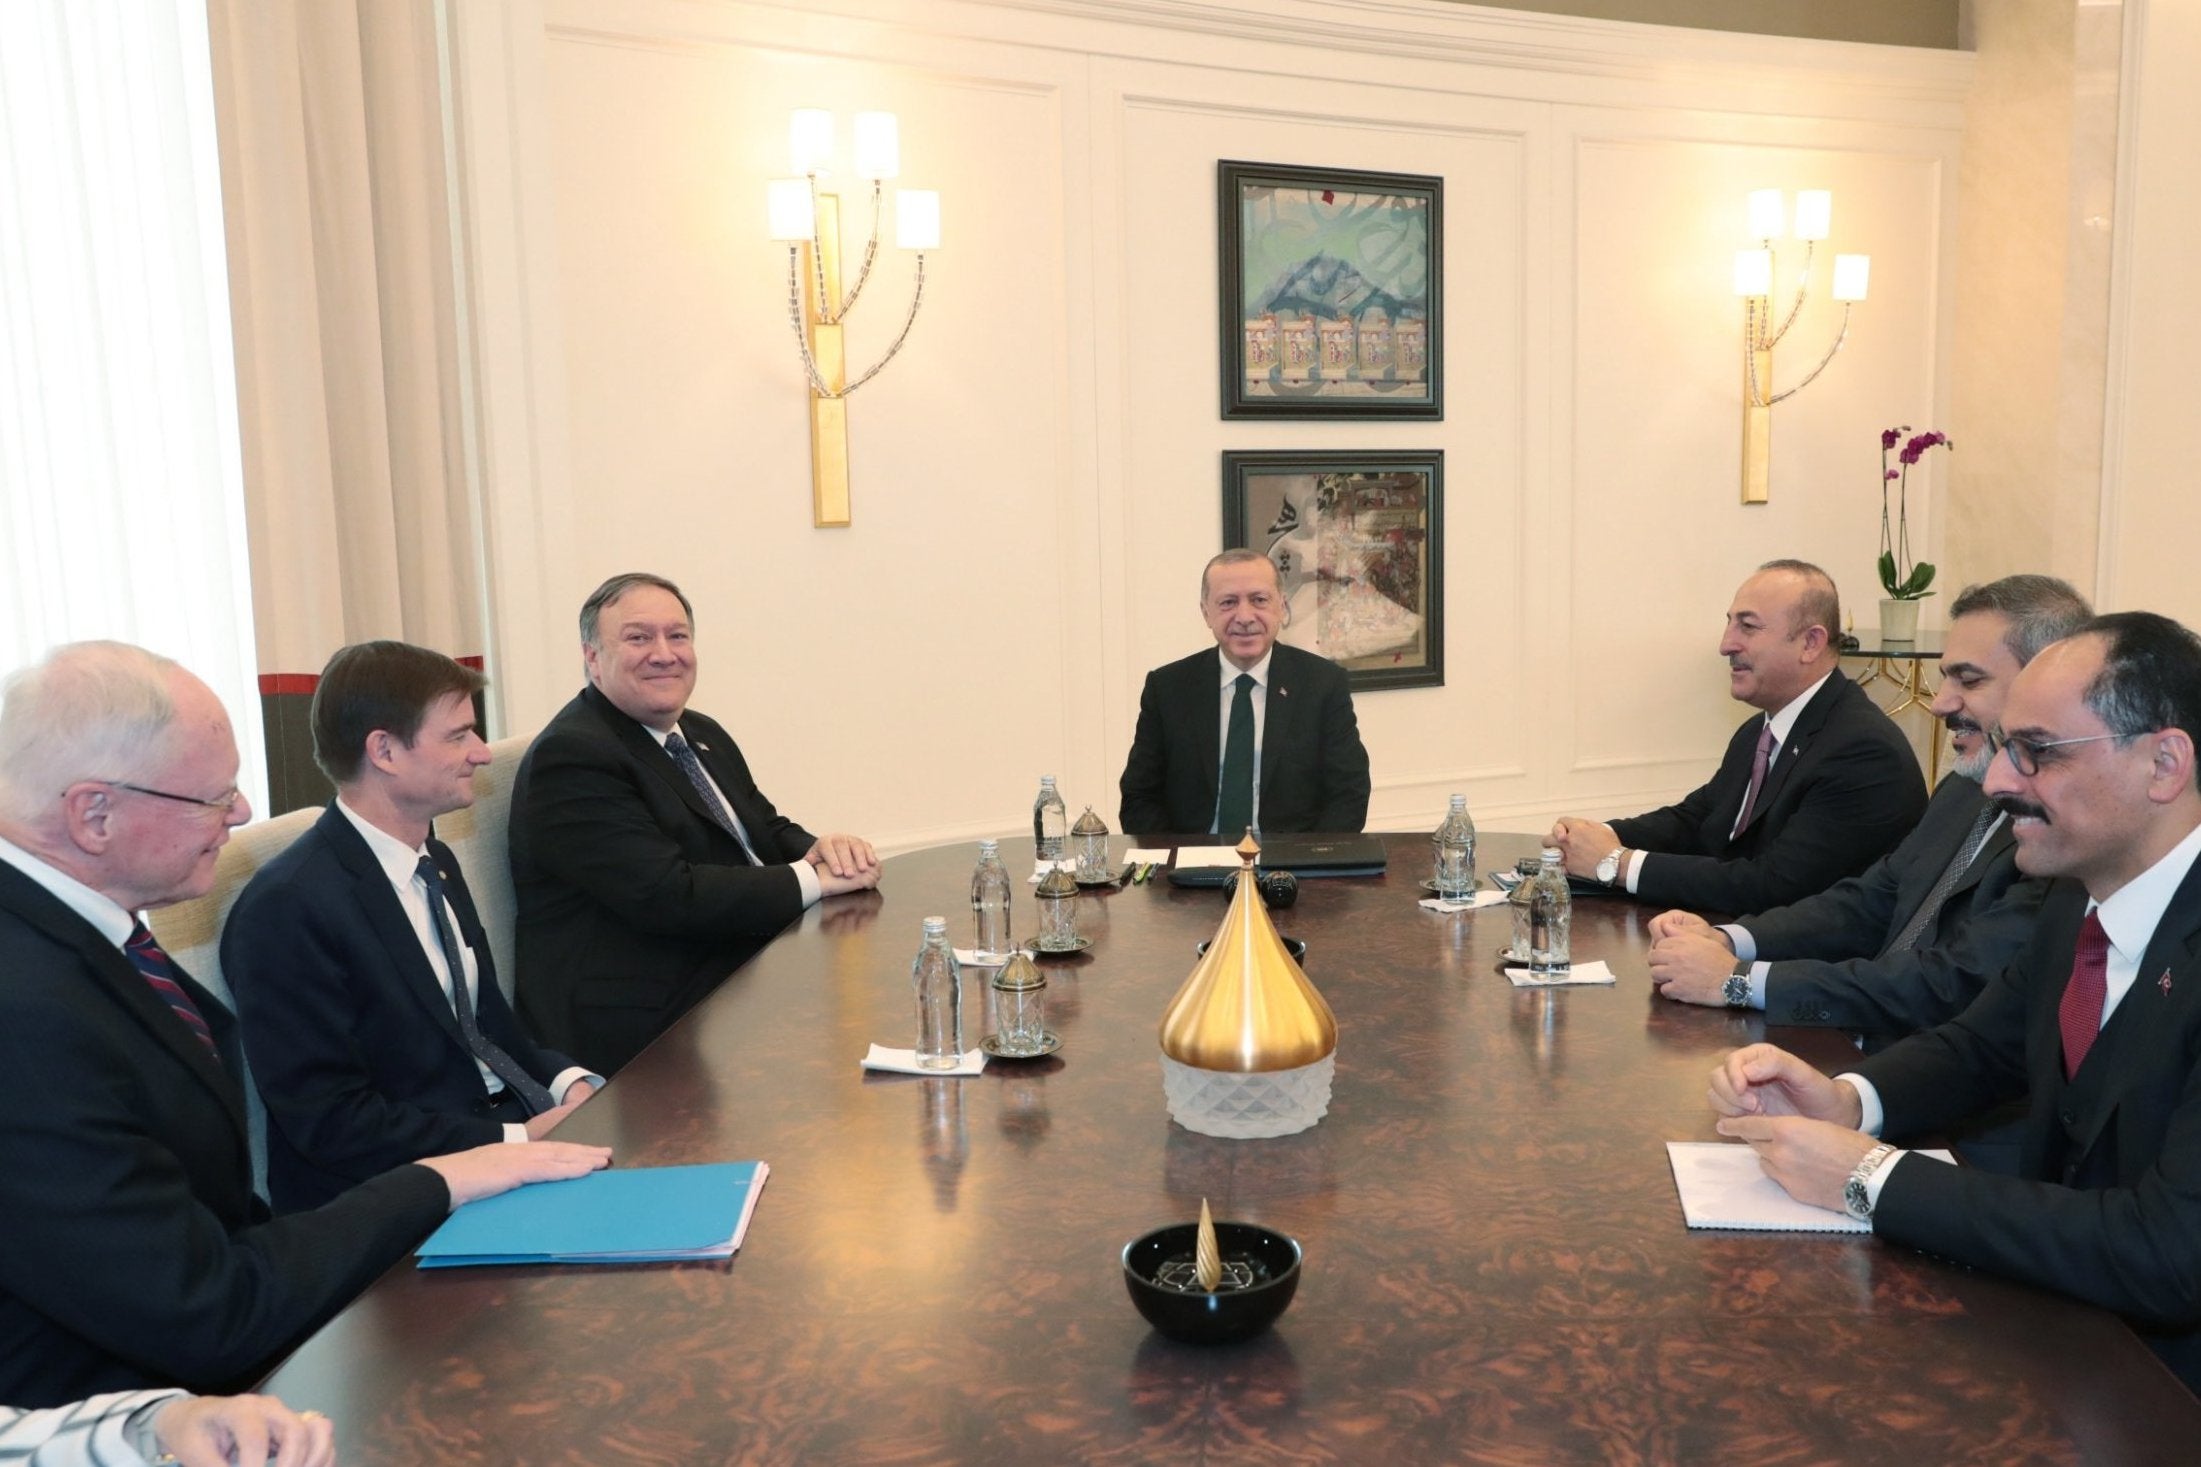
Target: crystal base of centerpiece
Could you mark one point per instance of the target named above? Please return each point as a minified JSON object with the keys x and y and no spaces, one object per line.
{"x":1245,"y":1105}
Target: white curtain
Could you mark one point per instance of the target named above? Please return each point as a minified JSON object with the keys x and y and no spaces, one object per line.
{"x":121,"y":498}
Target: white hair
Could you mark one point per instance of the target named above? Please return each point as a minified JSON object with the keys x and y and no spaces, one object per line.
{"x":90,"y":710}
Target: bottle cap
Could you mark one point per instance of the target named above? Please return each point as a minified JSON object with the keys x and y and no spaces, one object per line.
{"x":936,"y":927}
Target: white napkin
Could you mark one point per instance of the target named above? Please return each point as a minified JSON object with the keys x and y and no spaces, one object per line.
{"x":1579,"y":973}
{"x":1142,"y":856}
{"x":1474,"y":902}
{"x":904,"y":1062}
{"x":968,"y":957}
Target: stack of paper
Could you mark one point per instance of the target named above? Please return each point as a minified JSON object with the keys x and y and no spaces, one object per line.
{"x":622,"y":1215}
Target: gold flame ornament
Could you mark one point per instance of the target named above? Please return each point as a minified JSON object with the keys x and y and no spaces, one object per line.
{"x":1248,"y":1007}
{"x":1207,"y":1256}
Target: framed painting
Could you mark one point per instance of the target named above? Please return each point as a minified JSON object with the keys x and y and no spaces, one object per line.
{"x":1358,"y":541}
{"x":1331,"y":290}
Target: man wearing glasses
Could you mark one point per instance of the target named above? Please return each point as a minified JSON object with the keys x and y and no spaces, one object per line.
{"x":136,"y":1253}
{"x":1909,"y":942}
{"x":2098,"y":1020}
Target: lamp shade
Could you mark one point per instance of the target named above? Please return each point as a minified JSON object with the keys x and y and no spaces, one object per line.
{"x":1814,"y":213}
{"x":1766,"y":214}
{"x":917,"y":218}
{"x":1851,"y":272}
{"x":878,"y":145}
{"x":787,"y":204}
{"x":1753,"y":272}
{"x":809,"y":140}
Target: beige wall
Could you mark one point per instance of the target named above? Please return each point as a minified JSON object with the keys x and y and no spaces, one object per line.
{"x":2152,"y":518}
{"x":1036,"y":478}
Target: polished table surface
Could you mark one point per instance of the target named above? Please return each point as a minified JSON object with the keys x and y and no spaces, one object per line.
{"x":1496,"y":1265}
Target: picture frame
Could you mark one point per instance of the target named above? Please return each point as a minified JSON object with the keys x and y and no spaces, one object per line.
{"x":1331,"y":292}
{"x":1358,"y":541}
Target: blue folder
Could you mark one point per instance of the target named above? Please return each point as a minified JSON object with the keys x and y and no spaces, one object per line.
{"x":619,"y":1215}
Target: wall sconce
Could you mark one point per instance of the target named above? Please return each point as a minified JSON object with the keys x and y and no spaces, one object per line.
{"x":807,"y":219}
{"x":1754,"y":283}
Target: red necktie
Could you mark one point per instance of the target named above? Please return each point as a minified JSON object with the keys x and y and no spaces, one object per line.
{"x":2080,"y":1013}
{"x":154,"y":966}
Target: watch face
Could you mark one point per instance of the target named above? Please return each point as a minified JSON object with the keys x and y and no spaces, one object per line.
{"x":1855,"y":1199}
{"x":1737,"y":991}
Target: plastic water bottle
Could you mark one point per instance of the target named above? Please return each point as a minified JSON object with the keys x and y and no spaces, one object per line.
{"x":1050,"y":821}
{"x":939,"y":984}
{"x":1453,"y":851}
{"x":1550,"y":919}
{"x":990,"y":904}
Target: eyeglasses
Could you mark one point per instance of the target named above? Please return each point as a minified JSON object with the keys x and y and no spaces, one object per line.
{"x":222,"y":802}
{"x":2025,"y":754}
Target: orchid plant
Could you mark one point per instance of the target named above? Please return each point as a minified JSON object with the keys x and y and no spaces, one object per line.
{"x":1900,"y":576}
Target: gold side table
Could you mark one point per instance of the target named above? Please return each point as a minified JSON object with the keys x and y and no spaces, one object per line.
{"x":1902,"y":666}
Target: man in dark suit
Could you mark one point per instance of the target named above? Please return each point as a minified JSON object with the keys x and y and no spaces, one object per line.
{"x":2098,"y":1022}
{"x":364,"y":981}
{"x":1255,"y":733}
{"x":1910,"y":942}
{"x":1818,"y":788}
{"x":136,"y":1253}
{"x":647,"y":863}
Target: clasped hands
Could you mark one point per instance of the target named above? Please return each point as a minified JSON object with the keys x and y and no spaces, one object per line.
{"x":845,"y":863}
{"x":1802,"y":1124}
{"x":1691,"y":960}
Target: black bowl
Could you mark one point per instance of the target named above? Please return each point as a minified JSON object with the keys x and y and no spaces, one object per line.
{"x":1292,"y":945}
{"x":1213,"y":1319}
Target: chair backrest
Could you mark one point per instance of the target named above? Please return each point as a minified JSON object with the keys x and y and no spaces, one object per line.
{"x":191,"y":932}
{"x":476,"y":836}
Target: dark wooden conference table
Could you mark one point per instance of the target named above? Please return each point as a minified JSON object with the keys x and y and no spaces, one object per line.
{"x":1496,"y":1265}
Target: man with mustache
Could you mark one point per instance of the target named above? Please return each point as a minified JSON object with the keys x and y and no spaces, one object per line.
{"x":1908,"y":943}
{"x":1816,"y":789}
{"x":1252,"y":734}
{"x":2097,"y":1022}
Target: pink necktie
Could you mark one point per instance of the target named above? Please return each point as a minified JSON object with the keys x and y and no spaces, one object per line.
{"x":1757,"y":776}
{"x":2080,"y":1013}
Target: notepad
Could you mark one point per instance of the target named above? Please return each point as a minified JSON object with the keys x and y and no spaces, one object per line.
{"x":1723,"y":1186}
{"x":621,"y":1215}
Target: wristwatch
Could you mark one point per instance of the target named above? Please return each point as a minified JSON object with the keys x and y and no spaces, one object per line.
{"x":1736,"y":990}
{"x":1608,"y":869}
{"x":1856,"y":1197}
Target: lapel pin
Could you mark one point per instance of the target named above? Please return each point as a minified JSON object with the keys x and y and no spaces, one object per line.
{"x":2164,"y":983}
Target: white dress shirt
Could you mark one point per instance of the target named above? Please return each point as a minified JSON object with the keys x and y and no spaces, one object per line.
{"x":401,"y":864}
{"x":2129,"y":919}
{"x":806,"y":875}
{"x":1260,"y":697}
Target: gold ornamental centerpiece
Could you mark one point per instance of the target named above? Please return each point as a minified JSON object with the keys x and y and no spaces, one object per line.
{"x":1248,"y":1045}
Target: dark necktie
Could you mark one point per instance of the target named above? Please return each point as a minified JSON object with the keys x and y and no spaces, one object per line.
{"x":2080,"y":1013}
{"x":1758,"y":767}
{"x":692,"y":767}
{"x":154,"y":965}
{"x":1234,"y":799}
{"x":522,"y":1085}
{"x":1958,"y":864}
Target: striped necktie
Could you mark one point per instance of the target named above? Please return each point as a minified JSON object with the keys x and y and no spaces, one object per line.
{"x":156,"y":968}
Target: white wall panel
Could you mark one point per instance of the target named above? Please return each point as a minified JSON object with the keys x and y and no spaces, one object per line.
{"x":1036,"y":479}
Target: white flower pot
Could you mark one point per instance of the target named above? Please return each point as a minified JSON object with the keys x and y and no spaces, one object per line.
{"x":1898,"y":620}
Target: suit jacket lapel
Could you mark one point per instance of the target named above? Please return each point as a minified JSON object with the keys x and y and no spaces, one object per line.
{"x":650,"y":754}
{"x":1276,"y":718}
{"x":1207,"y":737}
{"x":115,"y":976}
{"x":378,"y":903}
{"x":1807,"y":726}
{"x":2145,"y":1017}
